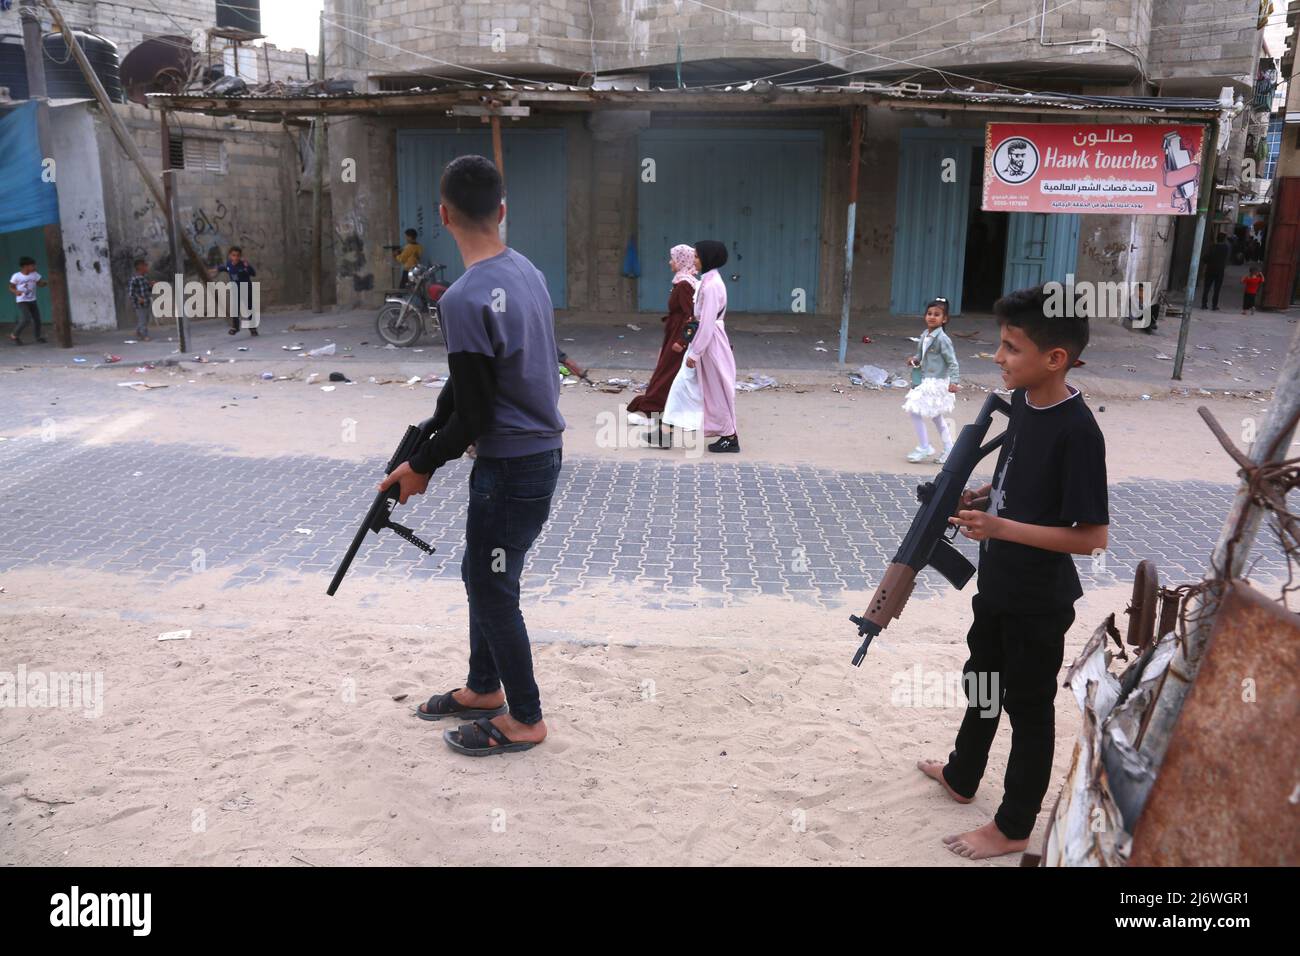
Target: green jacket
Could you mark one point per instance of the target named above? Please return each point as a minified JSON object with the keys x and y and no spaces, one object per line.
{"x":940,"y":359}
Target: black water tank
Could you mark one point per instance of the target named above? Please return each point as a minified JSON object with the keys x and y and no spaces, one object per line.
{"x":240,"y":14}
{"x":13,"y":65}
{"x":63,"y":77}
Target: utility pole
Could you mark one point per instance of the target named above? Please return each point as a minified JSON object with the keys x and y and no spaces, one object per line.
{"x":855,"y":159}
{"x":56,"y":261}
{"x":1204,"y":200}
{"x":318,"y":147}
{"x":173,"y":230}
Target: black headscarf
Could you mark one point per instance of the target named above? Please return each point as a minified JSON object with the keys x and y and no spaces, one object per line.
{"x":713,"y":254}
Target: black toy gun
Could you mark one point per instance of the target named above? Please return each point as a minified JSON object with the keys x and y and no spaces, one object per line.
{"x":379,"y":516}
{"x":928,"y":540}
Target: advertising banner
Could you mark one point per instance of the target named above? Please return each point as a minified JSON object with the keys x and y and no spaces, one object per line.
{"x":1127,"y":168}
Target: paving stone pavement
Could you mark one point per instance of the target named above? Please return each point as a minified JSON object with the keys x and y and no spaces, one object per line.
{"x":696,"y":533}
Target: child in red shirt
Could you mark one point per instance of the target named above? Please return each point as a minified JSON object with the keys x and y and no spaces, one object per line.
{"x":1251,"y":283}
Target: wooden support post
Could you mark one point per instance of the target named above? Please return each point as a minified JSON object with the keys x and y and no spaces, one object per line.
{"x":56,"y":261}
{"x":850,"y":230}
{"x":173,"y":233}
{"x":120,"y":131}
{"x":498,"y":157}
{"x":317,"y":186}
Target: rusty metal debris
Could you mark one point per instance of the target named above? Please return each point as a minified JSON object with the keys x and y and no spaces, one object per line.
{"x":1226,"y":790}
{"x":1268,"y":485}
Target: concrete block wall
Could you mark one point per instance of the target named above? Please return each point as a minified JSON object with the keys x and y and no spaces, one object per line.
{"x":614,"y":220}
{"x":127,"y":23}
{"x":364,"y":212}
{"x":1006,"y":32}
{"x":257,"y":204}
{"x":638,"y":34}
{"x":1204,"y":44}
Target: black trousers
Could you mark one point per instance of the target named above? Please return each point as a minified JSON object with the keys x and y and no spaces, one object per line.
{"x":1013,"y":666}
{"x":1213,"y":280}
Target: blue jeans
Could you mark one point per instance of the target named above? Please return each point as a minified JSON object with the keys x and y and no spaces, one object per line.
{"x":509,"y":502}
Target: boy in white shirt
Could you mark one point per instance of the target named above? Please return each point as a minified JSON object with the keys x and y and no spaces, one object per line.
{"x":23,"y":284}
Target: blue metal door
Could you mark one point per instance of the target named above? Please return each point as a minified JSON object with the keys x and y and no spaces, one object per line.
{"x":1041,"y":247}
{"x":931,"y":217}
{"x":536,"y":195}
{"x":758,"y":191}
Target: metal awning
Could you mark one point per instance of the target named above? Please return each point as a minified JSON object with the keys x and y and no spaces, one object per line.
{"x":282,"y":100}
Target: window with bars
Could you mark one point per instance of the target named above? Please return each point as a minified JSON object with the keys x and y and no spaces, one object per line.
{"x":1274,"y":146}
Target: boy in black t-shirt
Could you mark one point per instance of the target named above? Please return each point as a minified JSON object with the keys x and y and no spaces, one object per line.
{"x":1047,"y":501}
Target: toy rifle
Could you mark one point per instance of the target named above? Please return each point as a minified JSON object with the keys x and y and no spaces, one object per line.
{"x":379,"y":516}
{"x":927,"y":543}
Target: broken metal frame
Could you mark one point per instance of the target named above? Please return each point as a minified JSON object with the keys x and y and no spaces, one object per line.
{"x":1228,"y":560}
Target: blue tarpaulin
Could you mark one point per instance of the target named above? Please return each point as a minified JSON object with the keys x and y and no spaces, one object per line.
{"x":28,"y":201}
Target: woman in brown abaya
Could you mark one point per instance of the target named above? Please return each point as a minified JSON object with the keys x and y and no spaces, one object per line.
{"x":681,"y":306}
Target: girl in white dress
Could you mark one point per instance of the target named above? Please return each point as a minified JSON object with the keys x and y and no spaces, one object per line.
{"x":934,"y":375}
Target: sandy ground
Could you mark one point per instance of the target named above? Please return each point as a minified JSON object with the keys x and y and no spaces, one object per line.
{"x":273,"y":736}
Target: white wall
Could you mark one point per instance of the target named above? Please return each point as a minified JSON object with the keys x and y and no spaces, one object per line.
{"x":81,"y":214}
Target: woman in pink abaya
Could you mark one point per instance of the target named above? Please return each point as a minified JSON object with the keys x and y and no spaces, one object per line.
{"x":710,"y":350}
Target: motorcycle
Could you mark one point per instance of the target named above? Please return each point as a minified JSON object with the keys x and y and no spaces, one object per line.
{"x":409,"y":314}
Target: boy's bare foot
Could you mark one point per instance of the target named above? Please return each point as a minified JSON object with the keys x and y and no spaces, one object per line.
{"x":934,"y":769}
{"x":983,"y":843}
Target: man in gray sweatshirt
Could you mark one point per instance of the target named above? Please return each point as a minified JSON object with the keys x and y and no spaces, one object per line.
{"x":503,"y":399}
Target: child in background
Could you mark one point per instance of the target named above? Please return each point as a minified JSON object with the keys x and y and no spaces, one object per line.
{"x":23,"y":284}
{"x":934,"y":376}
{"x":1048,"y":501}
{"x":137,"y":291}
{"x":241,"y":272}
{"x":1251,"y":284}
{"x":409,"y":256}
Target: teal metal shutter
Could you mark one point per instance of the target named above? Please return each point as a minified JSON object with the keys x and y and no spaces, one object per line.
{"x":931,"y":216}
{"x":1041,"y":247}
{"x":536,"y":195}
{"x":757,"y":191}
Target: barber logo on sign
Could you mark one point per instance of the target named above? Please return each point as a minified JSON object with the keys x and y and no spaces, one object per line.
{"x":1015,"y":160}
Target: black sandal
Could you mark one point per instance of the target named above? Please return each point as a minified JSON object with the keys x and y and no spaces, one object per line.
{"x":445,"y":705}
{"x":472,"y":740}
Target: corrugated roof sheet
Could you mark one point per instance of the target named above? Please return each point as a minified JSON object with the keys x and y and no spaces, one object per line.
{"x":751,"y":89}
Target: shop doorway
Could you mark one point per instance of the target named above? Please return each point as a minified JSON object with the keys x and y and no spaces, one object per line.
{"x":986,"y":245}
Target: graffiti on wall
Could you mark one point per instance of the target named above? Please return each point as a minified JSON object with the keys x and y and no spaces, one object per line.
{"x":350,"y":252}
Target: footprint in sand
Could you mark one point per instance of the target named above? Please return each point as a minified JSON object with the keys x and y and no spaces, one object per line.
{"x":129,"y":812}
